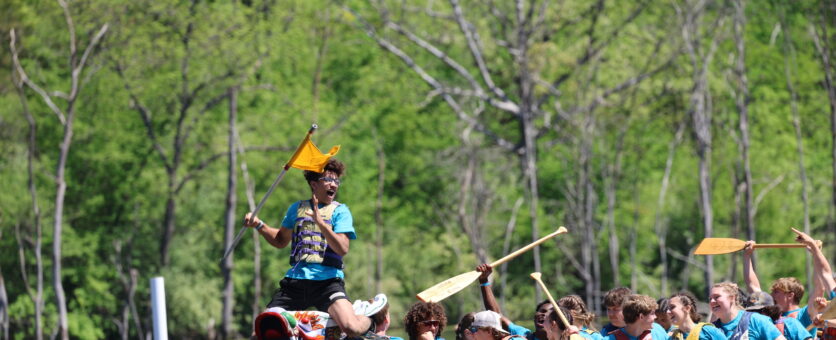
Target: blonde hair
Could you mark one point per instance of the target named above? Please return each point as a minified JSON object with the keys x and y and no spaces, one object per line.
{"x":577,"y":308}
{"x":636,"y":305}
{"x":732,"y":290}
{"x":789,"y":285}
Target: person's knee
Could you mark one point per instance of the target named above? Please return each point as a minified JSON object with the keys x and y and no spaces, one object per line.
{"x":356,"y":326}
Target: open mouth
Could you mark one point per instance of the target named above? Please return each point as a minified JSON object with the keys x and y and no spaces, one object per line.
{"x":331,"y":193}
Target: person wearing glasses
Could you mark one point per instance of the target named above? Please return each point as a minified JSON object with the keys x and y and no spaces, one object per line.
{"x":318,"y":231}
{"x":425,"y":321}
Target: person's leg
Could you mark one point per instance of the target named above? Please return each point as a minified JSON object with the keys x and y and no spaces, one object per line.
{"x":331,"y":297}
{"x":342,"y":313}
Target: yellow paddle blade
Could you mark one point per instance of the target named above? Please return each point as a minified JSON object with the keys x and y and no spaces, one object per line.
{"x":715,"y":246}
{"x":448,"y":287}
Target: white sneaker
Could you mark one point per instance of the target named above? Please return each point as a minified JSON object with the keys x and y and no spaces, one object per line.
{"x":371,"y":307}
{"x":360,"y":306}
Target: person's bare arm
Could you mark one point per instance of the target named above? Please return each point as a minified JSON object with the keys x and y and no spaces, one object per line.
{"x":821,"y":266}
{"x":488,"y":298}
{"x":749,"y":275}
{"x":277,"y":237}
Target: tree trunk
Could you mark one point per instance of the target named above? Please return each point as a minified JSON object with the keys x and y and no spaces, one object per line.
{"x":789,"y":63}
{"x":660,"y":226}
{"x":227,"y":330}
{"x":4,"y":308}
{"x":37,"y":299}
{"x":378,"y":217}
{"x":742,"y":103}
{"x":250,"y":192}
{"x":60,"y":180}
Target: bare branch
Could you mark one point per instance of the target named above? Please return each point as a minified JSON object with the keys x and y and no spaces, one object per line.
{"x":145,"y":114}
{"x":78,"y":68}
{"x":762,"y":193}
{"x":385,"y":44}
{"x":25,"y":79}
{"x":473,"y":44}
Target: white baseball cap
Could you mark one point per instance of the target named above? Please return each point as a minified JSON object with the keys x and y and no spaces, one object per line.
{"x":490,"y":319}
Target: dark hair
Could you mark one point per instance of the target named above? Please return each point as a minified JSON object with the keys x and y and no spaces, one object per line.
{"x":615,"y":297}
{"x":541,"y":304}
{"x":554,"y":317}
{"x":464,"y":324}
{"x":423,"y":311}
{"x":333,"y":165}
{"x":773,"y":312}
{"x":688,"y":299}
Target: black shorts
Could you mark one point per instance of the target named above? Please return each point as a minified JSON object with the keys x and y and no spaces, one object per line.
{"x":297,"y":294}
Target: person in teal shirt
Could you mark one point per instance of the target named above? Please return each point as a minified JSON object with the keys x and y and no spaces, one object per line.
{"x":787,"y":292}
{"x":319,"y":231}
{"x":791,"y":328}
{"x":682,"y":310}
{"x":639,"y":315}
{"x":736,"y":323}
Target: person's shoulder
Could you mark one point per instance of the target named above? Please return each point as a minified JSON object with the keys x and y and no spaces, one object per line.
{"x":760,"y":318}
{"x":709,"y":331}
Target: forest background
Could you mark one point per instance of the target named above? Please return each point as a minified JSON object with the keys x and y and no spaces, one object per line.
{"x":136,"y":134}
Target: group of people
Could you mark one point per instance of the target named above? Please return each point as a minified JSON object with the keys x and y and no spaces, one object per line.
{"x":319,"y":231}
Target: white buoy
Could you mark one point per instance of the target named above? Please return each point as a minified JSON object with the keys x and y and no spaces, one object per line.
{"x":158,"y":308}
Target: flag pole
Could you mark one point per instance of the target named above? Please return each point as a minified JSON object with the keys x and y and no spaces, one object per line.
{"x":270,"y":191}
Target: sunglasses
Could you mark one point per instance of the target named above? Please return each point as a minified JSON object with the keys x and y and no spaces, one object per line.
{"x":430,"y":323}
{"x":330,"y":179}
{"x":473,"y":330}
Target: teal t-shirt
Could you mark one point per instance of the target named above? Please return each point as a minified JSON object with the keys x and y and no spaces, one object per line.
{"x":518,"y":330}
{"x":708,"y":332}
{"x":794,"y":330}
{"x":590,"y":334}
{"x":760,"y":327}
{"x":656,"y":333}
{"x":803,"y":316}
{"x":342,"y":222}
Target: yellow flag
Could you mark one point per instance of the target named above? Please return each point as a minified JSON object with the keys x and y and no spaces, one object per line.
{"x":308,"y":156}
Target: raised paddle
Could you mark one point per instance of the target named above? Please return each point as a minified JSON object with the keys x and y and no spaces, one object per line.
{"x":537,"y":277}
{"x":716,"y":246}
{"x":454,"y":284}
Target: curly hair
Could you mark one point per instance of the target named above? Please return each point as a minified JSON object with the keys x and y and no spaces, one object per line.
{"x":577,"y":308}
{"x":688,"y":300}
{"x":333,"y":165}
{"x":615,"y":297}
{"x":637,"y":305}
{"x":789,"y":285}
{"x":423,"y":311}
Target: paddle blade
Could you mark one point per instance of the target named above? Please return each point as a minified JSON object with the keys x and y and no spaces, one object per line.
{"x":715,"y":246}
{"x":448,"y":287}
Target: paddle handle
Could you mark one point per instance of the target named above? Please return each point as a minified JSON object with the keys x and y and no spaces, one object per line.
{"x":784,"y":245}
{"x":551,"y":299}
{"x":510,"y":256}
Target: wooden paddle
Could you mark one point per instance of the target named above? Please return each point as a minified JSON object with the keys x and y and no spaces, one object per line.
{"x":828,"y":313}
{"x":454,"y":284}
{"x":716,"y":246}
{"x":537,"y":277}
